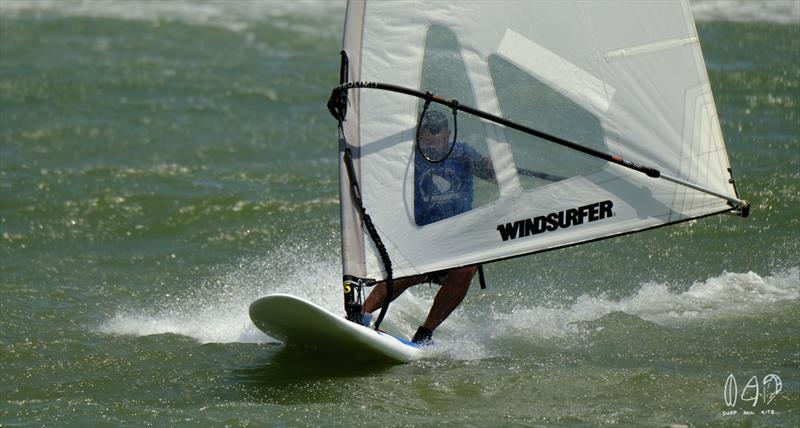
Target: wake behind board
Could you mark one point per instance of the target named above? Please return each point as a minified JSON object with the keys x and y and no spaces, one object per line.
{"x":298,"y":322}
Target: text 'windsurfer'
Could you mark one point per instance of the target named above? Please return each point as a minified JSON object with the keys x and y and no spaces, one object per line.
{"x":557,"y":220}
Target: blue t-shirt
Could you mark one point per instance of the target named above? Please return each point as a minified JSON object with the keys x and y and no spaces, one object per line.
{"x":444,"y":189}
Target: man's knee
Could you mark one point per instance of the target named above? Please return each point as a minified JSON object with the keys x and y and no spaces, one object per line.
{"x":461,"y":277}
{"x":468,"y":271}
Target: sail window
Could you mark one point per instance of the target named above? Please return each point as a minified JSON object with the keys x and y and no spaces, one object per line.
{"x":525,"y":99}
{"x":453,"y":173}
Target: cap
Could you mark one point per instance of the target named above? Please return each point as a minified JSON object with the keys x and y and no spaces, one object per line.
{"x":434,"y":121}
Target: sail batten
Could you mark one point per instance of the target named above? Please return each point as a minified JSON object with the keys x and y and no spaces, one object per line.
{"x":651,"y":47}
{"x":618,"y":88}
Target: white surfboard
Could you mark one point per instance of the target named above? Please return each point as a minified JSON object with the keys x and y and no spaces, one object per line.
{"x":298,"y":322}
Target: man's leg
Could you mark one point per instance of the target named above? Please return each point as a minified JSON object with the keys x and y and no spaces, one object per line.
{"x":450,"y":295}
{"x":378,"y":294}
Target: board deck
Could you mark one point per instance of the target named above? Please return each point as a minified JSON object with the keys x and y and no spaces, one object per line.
{"x":300,"y":323}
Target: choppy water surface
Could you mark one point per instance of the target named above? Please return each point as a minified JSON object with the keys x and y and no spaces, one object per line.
{"x":164,"y":164}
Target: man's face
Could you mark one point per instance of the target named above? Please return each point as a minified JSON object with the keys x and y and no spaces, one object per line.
{"x":434,"y":144}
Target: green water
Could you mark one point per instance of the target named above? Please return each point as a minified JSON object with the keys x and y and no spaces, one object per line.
{"x":163,"y":165}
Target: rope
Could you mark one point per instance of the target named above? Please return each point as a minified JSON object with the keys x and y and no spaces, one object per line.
{"x":370,"y":226}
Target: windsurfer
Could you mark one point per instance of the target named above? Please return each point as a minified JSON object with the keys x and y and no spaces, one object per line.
{"x":442,"y":188}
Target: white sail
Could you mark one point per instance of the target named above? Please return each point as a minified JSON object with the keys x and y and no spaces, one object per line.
{"x":625,"y":78}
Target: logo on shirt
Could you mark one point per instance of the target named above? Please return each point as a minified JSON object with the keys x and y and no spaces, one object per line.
{"x":441,"y":185}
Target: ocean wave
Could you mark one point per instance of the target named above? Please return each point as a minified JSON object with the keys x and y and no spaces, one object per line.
{"x":776,"y":11}
{"x":240,"y":15}
{"x":216,"y":310}
{"x":232,"y":15}
{"x":725,"y":296}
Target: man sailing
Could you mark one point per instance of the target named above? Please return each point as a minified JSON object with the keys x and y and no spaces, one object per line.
{"x":443,"y":188}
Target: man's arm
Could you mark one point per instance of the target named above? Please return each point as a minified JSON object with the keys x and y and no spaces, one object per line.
{"x":479,"y":165}
{"x":482,"y":168}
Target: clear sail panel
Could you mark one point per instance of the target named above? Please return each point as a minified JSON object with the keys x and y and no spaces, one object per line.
{"x":453,"y":172}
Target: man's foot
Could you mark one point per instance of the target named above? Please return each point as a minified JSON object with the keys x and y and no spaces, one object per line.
{"x":422,"y":336}
{"x":366,"y":319}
